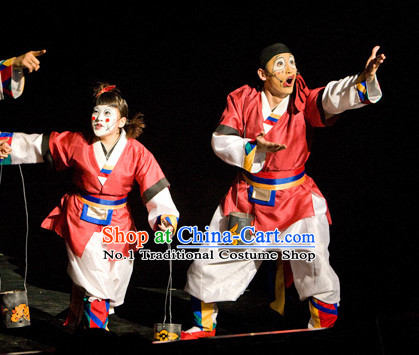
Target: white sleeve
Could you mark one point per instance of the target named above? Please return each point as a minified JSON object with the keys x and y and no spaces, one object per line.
{"x":342,"y":95}
{"x":26,"y":148}
{"x":18,"y":82}
{"x":237,"y":151}
{"x":161,"y":204}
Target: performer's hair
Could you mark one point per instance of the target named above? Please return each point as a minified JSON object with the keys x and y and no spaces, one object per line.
{"x":135,"y":126}
{"x":105,"y":94}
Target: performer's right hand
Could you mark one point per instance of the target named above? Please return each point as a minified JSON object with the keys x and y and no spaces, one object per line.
{"x":29,"y":60}
{"x":269,"y":147}
{"x":5,"y":149}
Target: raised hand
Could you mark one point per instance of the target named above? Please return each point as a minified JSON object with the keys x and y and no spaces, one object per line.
{"x":29,"y":60}
{"x":373,"y":63}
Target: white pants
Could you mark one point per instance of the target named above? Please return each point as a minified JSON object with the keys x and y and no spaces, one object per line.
{"x":101,"y":278}
{"x":215,"y":280}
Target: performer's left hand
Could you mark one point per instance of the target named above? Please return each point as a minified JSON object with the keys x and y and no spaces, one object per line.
{"x":372,"y":65}
{"x":166,"y":226}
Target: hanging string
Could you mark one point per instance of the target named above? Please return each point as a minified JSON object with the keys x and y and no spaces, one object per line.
{"x":247,"y":212}
{"x":238,"y":176}
{"x":27,"y":222}
{"x":27,"y":227}
{"x":1,"y":174}
{"x":168,"y":290}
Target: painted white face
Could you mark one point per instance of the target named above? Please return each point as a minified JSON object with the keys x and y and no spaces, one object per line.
{"x":105,"y":120}
{"x":280,"y":63}
{"x":283,"y":72}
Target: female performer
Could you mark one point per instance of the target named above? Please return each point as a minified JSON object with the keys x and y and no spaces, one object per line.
{"x":106,"y":164}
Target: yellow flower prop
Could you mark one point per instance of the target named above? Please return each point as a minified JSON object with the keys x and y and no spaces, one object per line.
{"x":19,"y":312}
{"x":234,"y":232}
{"x":164,"y":335}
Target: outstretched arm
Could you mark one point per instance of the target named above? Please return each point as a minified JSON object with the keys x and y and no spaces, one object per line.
{"x":21,"y":148}
{"x":28,"y":60}
{"x":354,"y":91}
{"x":12,"y":80}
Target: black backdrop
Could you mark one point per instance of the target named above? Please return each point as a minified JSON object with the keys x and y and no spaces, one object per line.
{"x":176,"y":64}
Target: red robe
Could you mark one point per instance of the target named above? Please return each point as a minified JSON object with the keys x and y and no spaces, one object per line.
{"x":243,"y":114}
{"x":136,"y":163}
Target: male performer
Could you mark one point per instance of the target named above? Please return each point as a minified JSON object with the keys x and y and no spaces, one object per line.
{"x":267,"y":134}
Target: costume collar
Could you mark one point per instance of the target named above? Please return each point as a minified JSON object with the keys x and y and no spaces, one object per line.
{"x":107,"y":165}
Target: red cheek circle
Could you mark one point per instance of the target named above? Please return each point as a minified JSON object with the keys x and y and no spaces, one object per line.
{"x":93,"y":118}
{"x":107,"y":120}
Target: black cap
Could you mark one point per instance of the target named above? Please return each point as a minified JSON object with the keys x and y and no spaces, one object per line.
{"x":268,"y":52}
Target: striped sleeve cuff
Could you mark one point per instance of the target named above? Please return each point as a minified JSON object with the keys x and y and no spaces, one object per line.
{"x":9,"y":137}
{"x":363,"y":92}
{"x":6,"y":72}
{"x":369,"y":93}
{"x":249,"y":156}
{"x":26,"y":148}
{"x":12,"y":80}
{"x":172,"y":220}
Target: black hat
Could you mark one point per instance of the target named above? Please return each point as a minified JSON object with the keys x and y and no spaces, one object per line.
{"x":268,"y":52}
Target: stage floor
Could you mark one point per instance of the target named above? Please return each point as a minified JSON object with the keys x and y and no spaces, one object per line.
{"x":245,"y":326}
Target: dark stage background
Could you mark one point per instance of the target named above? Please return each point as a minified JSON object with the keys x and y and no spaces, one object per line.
{"x":176,"y":64}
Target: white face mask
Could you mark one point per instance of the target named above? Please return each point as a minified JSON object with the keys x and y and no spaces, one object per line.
{"x":104,"y":120}
{"x":283,"y":73}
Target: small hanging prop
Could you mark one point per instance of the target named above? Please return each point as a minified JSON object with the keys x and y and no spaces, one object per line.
{"x":14,"y":309}
{"x":237,"y":221}
{"x":168,"y":331}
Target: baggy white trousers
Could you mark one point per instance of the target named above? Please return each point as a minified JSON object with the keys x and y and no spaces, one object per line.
{"x":215,"y":280}
{"x":101,"y":278}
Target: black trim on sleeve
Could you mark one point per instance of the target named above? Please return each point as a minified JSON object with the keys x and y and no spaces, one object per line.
{"x":46,"y":153}
{"x":45,"y":145}
{"x":320,"y":107}
{"x":331,"y":120}
{"x":154,"y":190}
{"x":227,"y":130}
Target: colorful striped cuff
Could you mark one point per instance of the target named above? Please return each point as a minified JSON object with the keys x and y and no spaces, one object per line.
{"x":323,"y":314}
{"x":172,"y":220}
{"x":203,"y":314}
{"x":9,"y":136}
{"x":250,"y":151}
{"x":6,"y":72}
{"x":96,"y":313}
{"x":363,"y":92}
